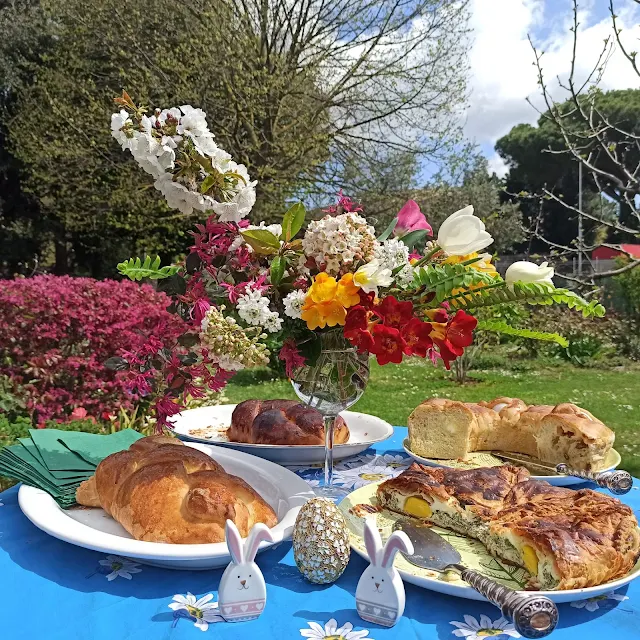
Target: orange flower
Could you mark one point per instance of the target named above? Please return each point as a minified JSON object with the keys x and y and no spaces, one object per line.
{"x":327,"y":302}
{"x":483,"y":265}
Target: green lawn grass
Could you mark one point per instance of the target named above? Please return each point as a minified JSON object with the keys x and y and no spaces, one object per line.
{"x":613,"y":395}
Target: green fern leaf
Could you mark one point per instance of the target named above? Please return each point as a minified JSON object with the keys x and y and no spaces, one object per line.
{"x":499,"y":326}
{"x":136,"y":269}
{"x":444,"y":279}
{"x":533,"y":293}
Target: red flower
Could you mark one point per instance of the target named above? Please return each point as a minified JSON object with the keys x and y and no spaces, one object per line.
{"x":448,"y":352}
{"x":291,"y":357}
{"x":367,"y":299}
{"x":460,"y":329}
{"x":356,"y":320}
{"x":388,"y":344}
{"x":416,"y":335}
{"x":458,"y":335}
{"x":395,"y":314}
{"x":356,"y":329}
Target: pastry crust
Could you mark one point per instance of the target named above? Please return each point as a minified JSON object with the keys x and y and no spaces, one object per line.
{"x":566,"y":539}
{"x":281,"y":422}
{"x":448,"y":429}
{"x":162,"y":491}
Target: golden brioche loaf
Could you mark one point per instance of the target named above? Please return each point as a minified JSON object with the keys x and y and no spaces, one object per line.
{"x":162,"y":491}
{"x":447,"y":429}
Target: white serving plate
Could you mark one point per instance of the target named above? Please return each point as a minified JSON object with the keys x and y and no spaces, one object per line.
{"x":484,"y":459}
{"x":473,"y":553}
{"x":364,"y":431}
{"x":92,"y":528}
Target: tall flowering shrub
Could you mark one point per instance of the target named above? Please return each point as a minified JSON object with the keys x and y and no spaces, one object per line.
{"x":57,"y":332}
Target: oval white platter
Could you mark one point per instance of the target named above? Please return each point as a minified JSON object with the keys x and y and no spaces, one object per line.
{"x":208,"y":425}
{"x":92,"y":528}
{"x":485,"y":459}
{"x":473,"y":553}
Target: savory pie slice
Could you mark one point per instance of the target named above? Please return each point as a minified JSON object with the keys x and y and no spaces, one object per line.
{"x":565,"y":539}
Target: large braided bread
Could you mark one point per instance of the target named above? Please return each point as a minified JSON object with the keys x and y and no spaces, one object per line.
{"x":284,"y":422}
{"x":162,"y":491}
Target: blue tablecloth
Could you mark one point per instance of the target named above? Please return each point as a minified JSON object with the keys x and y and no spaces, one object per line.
{"x":56,"y":591}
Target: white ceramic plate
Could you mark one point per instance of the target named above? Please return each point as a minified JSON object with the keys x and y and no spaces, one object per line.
{"x":94,"y":529}
{"x":209,"y":425}
{"x":485,"y":459}
{"x":473,"y":553}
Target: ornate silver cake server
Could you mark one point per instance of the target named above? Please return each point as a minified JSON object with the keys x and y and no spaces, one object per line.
{"x":534,"y":616}
{"x":617,"y":481}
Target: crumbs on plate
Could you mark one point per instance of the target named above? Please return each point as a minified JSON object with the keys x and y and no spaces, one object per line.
{"x":210,"y":432}
{"x":361,"y":510}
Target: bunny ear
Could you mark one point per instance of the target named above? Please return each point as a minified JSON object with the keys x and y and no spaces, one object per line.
{"x":234,"y":541}
{"x":372,"y":541}
{"x":398,"y":541}
{"x":258,"y":533}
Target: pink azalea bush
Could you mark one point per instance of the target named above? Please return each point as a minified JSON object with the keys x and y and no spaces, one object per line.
{"x":56,"y":332}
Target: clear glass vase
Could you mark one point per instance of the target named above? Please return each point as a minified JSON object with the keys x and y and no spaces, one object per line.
{"x":334,"y":383}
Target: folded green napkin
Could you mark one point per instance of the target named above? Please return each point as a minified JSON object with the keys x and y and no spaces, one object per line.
{"x":58,"y":461}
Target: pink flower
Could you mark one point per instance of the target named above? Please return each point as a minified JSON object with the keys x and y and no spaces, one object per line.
{"x":199,"y":310}
{"x":291,"y":357}
{"x":79,"y":413}
{"x":345,"y":205}
{"x":410,"y":218}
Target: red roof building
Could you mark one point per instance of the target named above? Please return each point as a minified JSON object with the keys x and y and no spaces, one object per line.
{"x":606,"y":253}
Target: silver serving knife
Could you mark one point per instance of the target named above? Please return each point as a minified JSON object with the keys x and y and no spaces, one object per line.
{"x":617,"y":481}
{"x":534,"y":616}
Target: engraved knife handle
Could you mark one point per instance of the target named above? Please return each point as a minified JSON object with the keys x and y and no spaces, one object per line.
{"x":533,"y":616}
{"x":618,"y":482}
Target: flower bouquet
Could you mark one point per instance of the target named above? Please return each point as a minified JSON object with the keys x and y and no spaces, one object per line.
{"x":334,"y":286}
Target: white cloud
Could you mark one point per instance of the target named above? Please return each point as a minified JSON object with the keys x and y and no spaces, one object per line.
{"x":502,"y":73}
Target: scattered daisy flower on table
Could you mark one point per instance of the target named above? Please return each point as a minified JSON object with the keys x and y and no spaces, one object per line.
{"x":202,"y":611}
{"x":471,"y":629}
{"x":593,"y":604}
{"x":119,"y":567}
{"x":374,"y":469}
{"x":333,"y":632}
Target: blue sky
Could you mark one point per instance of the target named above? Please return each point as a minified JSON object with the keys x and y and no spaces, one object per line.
{"x":501,"y":71}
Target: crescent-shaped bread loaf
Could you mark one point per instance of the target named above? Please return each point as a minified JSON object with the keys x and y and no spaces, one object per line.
{"x":160,"y":490}
{"x":281,"y":422}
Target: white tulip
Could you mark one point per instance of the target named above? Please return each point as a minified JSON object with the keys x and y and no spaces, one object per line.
{"x":371,"y":276}
{"x":529,"y":272}
{"x":462,"y":233}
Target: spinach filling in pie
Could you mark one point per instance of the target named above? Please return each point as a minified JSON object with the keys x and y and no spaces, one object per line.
{"x":565,"y":539}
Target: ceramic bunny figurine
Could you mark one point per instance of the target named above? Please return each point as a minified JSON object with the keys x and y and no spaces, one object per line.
{"x":380,"y":592}
{"x":242,"y":593}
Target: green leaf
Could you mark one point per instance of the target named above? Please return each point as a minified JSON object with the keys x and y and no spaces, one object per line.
{"x":389,"y":230}
{"x":116,"y":363}
{"x":278,"y":266}
{"x":499,"y":326}
{"x":444,"y":279}
{"x":207,"y":183}
{"x":413,"y":237}
{"x":262,"y":241}
{"x":292,"y":221}
{"x":533,"y":293}
{"x":135,"y":269}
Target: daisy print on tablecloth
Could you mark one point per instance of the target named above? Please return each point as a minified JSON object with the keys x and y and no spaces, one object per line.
{"x":115,"y":566}
{"x":331,"y":631}
{"x":370,"y":468}
{"x":593,"y":604}
{"x":471,"y":629}
{"x":203,"y":612}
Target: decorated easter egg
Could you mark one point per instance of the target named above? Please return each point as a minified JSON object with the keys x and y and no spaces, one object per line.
{"x":321,"y":541}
